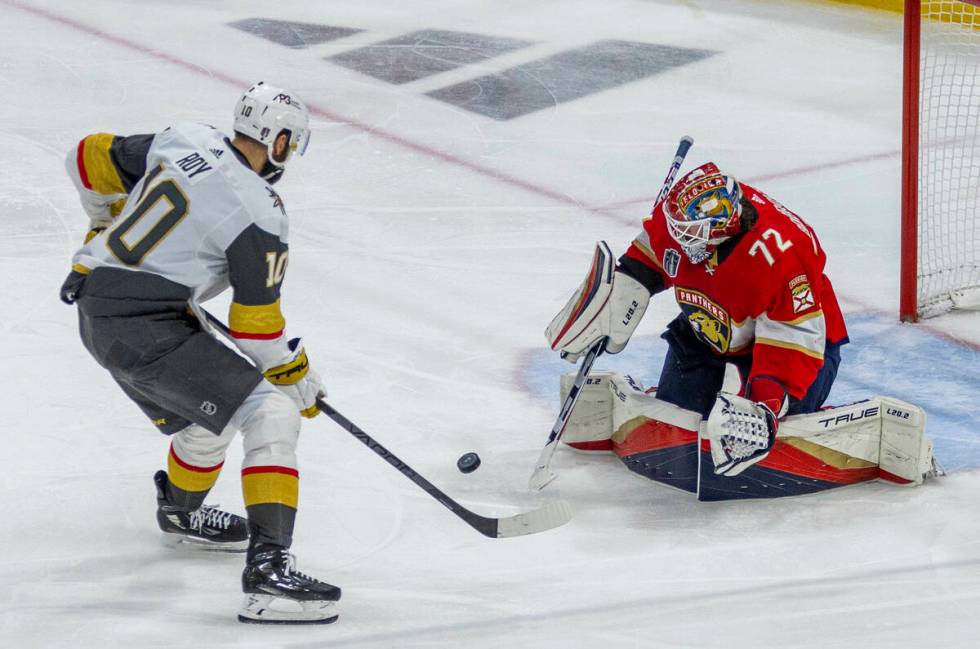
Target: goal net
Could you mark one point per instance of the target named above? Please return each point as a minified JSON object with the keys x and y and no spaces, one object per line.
{"x":941,"y":158}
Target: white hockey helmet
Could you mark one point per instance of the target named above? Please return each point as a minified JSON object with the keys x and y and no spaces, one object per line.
{"x":264,"y":111}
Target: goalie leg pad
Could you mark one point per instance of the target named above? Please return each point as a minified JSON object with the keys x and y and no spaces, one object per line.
{"x":812,"y":453}
{"x":882,"y":431}
{"x":905,"y":455}
{"x":655,"y":439}
{"x":589,"y":427}
{"x":881,"y":438}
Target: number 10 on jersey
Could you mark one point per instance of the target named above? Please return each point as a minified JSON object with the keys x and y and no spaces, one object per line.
{"x":277,"y":267}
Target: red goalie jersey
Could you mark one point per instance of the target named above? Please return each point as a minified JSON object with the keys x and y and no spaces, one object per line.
{"x":763,"y":292}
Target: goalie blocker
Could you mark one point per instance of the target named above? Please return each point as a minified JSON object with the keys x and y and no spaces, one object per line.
{"x":877,"y":439}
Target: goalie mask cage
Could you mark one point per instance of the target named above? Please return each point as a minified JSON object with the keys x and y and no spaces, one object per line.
{"x":940,"y":158}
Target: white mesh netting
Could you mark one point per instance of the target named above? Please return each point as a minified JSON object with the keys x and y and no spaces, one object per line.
{"x":949,"y":156}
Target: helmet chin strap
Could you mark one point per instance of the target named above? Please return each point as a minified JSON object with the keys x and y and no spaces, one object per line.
{"x":271,"y":173}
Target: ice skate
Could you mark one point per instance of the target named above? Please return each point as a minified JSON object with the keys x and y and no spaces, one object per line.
{"x":275,"y":593}
{"x":206,"y":528}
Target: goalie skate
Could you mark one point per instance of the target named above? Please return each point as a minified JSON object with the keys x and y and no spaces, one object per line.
{"x":206,"y":528}
{"x":276,"y":593}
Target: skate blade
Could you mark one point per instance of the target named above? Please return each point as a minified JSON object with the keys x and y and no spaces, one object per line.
{"x":269,"y":609}
{"x":182,"y":542}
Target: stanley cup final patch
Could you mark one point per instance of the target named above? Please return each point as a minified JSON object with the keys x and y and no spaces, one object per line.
{"x":803,"y":300}
{"x":672,"y":261}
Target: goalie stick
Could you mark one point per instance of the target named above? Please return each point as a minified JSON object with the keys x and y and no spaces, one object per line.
{"x":551,"y":515}
{"x":542,"y":475}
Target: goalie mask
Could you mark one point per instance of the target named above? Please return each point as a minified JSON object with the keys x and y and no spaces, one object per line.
{"x":702,"y":210}
{"x":265,"y":111}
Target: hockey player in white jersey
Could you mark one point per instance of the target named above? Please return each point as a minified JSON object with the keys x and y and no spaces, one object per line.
{"x":177,"y":217}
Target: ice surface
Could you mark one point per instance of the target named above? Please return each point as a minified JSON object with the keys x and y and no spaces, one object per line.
{"x":430,"y":247}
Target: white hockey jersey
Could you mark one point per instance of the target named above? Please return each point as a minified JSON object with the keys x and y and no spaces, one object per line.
{"x":195,"y":214}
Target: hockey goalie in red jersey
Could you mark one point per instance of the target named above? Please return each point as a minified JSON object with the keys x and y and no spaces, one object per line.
{"x":749,"y":279}
{"x":748,"y":276}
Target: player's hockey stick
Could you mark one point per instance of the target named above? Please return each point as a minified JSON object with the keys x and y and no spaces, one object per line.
{"x":551,"y":515}
{"x":543,"y":475}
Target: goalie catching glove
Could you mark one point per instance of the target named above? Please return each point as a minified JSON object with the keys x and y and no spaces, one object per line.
{"x":741,"y":431}
{"x":609,"y":304}
{"x":295,"y":378}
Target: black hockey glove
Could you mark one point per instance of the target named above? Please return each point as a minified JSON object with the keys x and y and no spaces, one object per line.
{"x":72,"y":287}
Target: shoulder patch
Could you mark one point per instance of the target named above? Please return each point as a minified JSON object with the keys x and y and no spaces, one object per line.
{"x":799,"y":288}
{"x":672,"y":262}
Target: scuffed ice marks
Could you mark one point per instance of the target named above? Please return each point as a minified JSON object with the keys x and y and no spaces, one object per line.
{"x":292,"y":34}
{"x":566,"y":76}
{"x":423,"y":53}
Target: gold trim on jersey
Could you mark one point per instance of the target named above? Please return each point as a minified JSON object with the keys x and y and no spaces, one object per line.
{"x":644,"y":247}
{"x":807,"y":334}
{"x":256,"y":319}
{"x":102,"y":175}
{"x":803,"y":318}
{"x":116,"y":208}
{"x":78,"y":268}
{"x":785,"y":345}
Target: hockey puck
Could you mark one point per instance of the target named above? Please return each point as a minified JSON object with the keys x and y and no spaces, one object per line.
{"x":468,"y":462}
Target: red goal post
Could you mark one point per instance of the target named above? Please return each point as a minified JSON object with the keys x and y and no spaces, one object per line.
{"x":940,"y":267}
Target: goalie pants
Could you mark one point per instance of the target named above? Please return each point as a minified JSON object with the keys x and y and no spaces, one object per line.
{"x":191,"y":386}
{"x":692,"y":374}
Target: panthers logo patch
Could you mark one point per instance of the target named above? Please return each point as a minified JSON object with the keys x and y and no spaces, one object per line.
{"x":710,"y":322}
